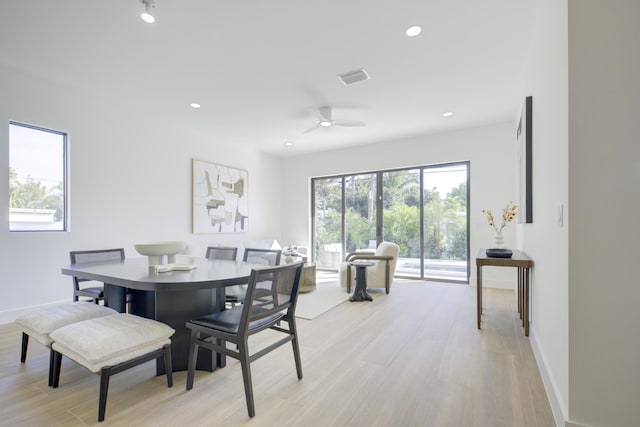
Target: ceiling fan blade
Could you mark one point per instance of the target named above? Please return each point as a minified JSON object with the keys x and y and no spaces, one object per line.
{"x":312,"y":128}
{"x":351,"y":123}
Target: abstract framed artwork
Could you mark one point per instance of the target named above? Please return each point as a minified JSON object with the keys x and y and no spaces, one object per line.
{"x":524,"y":153}
{"x":220,"y":196}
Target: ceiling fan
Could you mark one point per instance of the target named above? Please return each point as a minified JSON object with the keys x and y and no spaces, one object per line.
{"x":326,"y":120}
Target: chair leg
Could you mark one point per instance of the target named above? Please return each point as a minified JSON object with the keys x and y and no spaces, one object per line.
{"x":193,"y":356}
{"x":57,"y":362}
{"x":167,"y":365}
{"x":105,"y":373}
{"x":296,"y":348}
{"x":246,"y":377}
{"x":25,"y":344}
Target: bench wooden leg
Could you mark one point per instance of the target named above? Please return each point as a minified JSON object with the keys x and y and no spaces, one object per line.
{"x":105,"y":373}
{"x":25,"y":344}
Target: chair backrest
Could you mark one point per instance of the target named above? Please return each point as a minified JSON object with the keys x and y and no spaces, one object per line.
{"x":271,"y":293}
{"x":99,"y":255}
{"x":262,"y":256}
{"x":221,"y":252}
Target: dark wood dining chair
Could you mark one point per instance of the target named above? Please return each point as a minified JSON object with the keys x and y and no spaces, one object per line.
{"x":262,"y":256}
{"x":96,"y":292}
{"x":222,"y":252}
{"x":235,"y":294}
{"x":268,"y":309}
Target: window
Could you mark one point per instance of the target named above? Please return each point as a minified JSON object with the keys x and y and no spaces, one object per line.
{"x":422,"y":209}
{"x":37,"y":178}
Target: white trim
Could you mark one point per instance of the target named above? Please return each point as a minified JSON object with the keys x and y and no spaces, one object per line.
{"x":558,"y":408}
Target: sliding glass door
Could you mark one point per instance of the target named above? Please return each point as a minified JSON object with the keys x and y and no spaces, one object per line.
{"x":327,"y":222}
{"x":445,"y":220}
{"x":360,"y":212}
{"x":422,"y":209}
{"x":401,"y":218}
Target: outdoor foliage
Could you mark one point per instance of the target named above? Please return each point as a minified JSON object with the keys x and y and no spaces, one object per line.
{"x":444,"y":217}
{"x":29,"y":193}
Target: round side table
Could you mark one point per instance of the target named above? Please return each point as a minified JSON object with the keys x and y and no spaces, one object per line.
{"x":360,"y":292}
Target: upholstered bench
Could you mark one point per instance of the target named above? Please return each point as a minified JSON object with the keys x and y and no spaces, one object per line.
{"x":39,"y":324}
{"x":111,"y":344}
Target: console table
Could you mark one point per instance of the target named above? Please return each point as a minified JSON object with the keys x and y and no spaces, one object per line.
{"x":524,"y":264}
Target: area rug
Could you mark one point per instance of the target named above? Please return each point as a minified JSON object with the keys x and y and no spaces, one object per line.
{"x":325,"y":297}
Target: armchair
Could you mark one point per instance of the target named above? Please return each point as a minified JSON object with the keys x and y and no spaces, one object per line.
{"x":378,"y":276}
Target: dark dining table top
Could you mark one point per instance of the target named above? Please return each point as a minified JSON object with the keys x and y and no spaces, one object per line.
{"x":135,"y":273}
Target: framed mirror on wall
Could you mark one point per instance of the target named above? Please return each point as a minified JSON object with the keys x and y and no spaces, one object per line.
{"x":524,"y":169}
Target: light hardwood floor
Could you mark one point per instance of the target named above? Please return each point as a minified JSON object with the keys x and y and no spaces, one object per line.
{"x":410,"y":358}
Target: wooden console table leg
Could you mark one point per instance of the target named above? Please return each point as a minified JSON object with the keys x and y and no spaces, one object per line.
{"x":526,"y":301}
{"x":479,"y":294}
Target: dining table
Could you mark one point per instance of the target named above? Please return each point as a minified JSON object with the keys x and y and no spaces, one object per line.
{"x":171,"y":297}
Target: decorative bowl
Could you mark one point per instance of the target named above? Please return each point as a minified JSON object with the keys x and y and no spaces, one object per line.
{"x":161,"y":252}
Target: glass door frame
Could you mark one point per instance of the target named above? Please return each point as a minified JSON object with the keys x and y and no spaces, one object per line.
{"x":380,"y":214}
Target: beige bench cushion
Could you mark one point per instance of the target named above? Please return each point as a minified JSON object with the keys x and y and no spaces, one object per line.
{"x":40,"y":323}
{"x":110,"y":340}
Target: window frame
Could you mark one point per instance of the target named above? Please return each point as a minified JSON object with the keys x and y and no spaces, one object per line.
{"x":65,"y":177}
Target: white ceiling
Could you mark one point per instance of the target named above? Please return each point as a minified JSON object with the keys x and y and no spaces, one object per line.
{"x":261,"y":69}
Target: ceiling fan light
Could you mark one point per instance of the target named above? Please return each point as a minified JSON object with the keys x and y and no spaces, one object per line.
{"x":146,"y":15}
{"x":413,"y":31}
{"x":325,"y":123}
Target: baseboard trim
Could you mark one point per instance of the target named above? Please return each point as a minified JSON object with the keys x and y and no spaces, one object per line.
{"x":557,"y":407}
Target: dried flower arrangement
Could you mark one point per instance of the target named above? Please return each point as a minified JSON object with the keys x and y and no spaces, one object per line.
{"x":508,"y":214}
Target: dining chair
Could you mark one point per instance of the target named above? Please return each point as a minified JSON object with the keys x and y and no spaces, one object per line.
{"x":96,"y":293}
{"x":266,"y":310}
{"x":262,"y":256}
{"x":221,"y":252}
{"x":235,"y":294}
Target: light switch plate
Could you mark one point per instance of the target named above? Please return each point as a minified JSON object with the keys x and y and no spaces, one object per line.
{"x":561,"y":215}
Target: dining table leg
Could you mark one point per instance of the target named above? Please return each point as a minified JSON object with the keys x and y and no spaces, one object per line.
{"x":175,"y":309}
{"x":115,"y":297}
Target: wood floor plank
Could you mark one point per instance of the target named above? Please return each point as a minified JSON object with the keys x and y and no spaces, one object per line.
{"x":413,"y":357}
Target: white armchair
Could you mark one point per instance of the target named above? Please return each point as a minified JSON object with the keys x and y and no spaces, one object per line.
{"x":379,"y":275}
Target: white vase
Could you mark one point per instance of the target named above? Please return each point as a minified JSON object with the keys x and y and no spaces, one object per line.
{"x":498,"y":240}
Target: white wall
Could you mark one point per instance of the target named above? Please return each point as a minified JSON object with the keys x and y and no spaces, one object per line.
{"x":545,"y":240}
{"x":490,"y":150}
{"x":130,"y":183}
{"x":604,"y":178}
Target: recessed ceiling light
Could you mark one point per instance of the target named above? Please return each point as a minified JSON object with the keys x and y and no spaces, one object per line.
{"x":194,"y":105}
{"x":289,"y":144}
{"x":447,"y":114}
{"x":414,"y":30}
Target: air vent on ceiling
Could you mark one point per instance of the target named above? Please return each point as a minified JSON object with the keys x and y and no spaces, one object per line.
{"x":354,"y":76}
